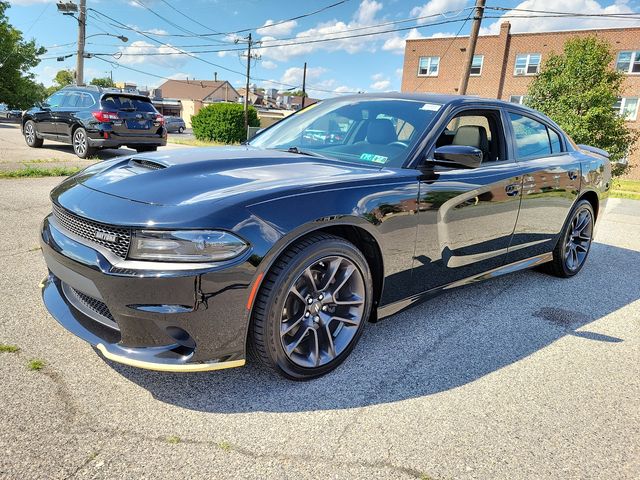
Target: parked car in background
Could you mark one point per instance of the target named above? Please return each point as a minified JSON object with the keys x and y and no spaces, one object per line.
{"x":288,"y":245}
{"x":8,"y":113}
{"x":91,"y":118}
{"x":175,"y":124}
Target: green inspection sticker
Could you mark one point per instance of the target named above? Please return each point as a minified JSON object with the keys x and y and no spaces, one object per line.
{"x":370,"y":157}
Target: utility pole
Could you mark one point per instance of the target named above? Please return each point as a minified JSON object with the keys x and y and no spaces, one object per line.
{"x":250,"y":43}
{"x":304,"y":85}
{"x":82,"y":24}
{"x":471,"y":47}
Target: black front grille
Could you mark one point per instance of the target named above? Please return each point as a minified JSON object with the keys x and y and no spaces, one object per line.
{"x":95,"y":232}
{"x":93,"y":304}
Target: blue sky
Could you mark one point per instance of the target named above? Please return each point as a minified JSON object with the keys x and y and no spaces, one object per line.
{"x":368,"y":63}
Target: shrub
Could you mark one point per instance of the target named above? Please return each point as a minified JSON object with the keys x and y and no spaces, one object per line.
{"x":223,"y":122}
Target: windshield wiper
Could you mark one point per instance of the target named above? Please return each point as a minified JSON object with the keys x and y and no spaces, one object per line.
{"x":295,"y":149}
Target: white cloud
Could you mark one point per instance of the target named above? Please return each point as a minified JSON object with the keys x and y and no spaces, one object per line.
{"x":293,"y":75}
{"x":269,"y":65}
{"x":380,"y":85}
{"x":284,"y":28}
{"x":567,"y":23}
{"x":363,"y":19}
{"x":343,"y":89}
{"x":169,"y":58}
{"x":435,"y":7}
{"x":399,"y":72}
{"x":396,"y":43}
{"x":380,"y":82}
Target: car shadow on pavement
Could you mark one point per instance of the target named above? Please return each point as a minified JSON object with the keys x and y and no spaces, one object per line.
{"x":444,"y":343}
{"x":105,"y":154}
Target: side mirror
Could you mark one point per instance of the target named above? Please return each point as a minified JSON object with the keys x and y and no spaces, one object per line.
{"x":44,"y":106}
{"x":458,"y":156}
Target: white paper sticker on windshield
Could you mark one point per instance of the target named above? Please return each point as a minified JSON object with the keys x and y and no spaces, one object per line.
{"x":370,"y":157}
{"x":431,"y":107}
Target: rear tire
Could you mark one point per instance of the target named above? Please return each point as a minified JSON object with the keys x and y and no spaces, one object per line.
{"x":80,"y":143}
{"x":312,"y":307}
{"x":574,"y":244}
{"x":30,"y":135}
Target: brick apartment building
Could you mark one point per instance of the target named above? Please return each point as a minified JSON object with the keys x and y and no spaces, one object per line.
{"x":505,"y":64}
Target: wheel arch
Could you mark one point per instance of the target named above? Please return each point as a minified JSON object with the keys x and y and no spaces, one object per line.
{"x":592,"y":197}
{"x":355,"y":230}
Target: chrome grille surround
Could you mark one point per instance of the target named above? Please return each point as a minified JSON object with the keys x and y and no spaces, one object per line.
{"x":88,"y":229}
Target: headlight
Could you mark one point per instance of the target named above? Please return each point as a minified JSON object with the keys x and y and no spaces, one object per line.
{"x":185,"y":246}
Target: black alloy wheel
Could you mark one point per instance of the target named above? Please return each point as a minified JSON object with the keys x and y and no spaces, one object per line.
{"x":30,"y":135}
{"x":312,"y":307}
{"x":574,"y":245}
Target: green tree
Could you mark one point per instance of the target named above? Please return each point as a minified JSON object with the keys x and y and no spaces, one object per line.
{"x":64,"y":78}
{"x":578,"y":88}
{"x":295,"y":93}
{"x":17,"y":57}
{"x":104,"y":82}
{"x":223,"y":122}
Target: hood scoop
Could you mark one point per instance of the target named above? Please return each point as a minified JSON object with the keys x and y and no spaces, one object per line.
{"x":146,"y":164}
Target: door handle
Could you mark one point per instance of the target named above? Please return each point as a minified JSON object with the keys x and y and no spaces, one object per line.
{"x":573,"y":174}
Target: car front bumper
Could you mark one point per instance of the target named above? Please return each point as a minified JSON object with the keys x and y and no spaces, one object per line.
{"x":169,"y":319}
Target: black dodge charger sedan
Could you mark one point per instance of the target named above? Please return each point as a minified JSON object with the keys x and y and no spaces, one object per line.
{"x":343,"y":213}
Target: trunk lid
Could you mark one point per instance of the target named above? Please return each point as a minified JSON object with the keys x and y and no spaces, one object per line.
{"x":136,"y":115}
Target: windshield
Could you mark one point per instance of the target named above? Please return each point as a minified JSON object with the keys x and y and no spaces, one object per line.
{"x":373,"y":131}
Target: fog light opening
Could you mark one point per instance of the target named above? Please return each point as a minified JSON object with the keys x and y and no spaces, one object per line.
{"x":182,"y":337}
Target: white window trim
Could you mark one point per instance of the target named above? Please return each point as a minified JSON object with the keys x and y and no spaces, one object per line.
{"x":633,"y":55}
{"x":429,"y":66}
{"x":481,"y":66}
{"x":623,"y":104}
{"x":526,"y":66}
{"x":521,"y":102}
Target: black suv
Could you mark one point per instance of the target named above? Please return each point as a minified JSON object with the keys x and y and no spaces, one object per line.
{"x":90,"y":118}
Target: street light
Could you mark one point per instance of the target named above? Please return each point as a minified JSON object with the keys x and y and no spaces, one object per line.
{"x":68,"y":8}
{"x":119,"y":37}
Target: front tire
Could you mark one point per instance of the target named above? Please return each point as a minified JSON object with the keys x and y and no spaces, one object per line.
{"x":81,"y":144}
{"x":181,"y":130}
{"x":312,"y":307}
{"x":30,"y":135}
{"x":574,"y":244}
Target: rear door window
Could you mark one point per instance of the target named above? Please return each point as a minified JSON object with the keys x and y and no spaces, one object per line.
{"x":531,"y":137}
{"x":128,"y":104}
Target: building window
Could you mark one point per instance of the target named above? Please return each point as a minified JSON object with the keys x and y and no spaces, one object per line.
{"x":519,"y":99}
{"x":476,"y":65}
{"x":627,"y":108}
{"x":527,"y":64}
{"x":628,"y":62}
{"x":428,"y":66}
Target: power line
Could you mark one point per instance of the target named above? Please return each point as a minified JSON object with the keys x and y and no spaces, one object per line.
{"x":234,"y":32}
{"x":177,"y":10}
{"x":274,"y":82}
{"x":303,"y":42}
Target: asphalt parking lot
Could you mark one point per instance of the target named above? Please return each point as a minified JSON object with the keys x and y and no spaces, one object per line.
{"x":524,"y":376}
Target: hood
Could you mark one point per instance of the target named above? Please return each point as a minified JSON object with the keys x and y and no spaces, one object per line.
{"x":193,"y":175}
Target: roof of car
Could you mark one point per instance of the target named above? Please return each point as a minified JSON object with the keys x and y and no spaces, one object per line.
{"x":428,"y":97}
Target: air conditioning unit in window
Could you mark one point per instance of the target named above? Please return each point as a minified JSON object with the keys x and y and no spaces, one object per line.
{"x":519,"y":71}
